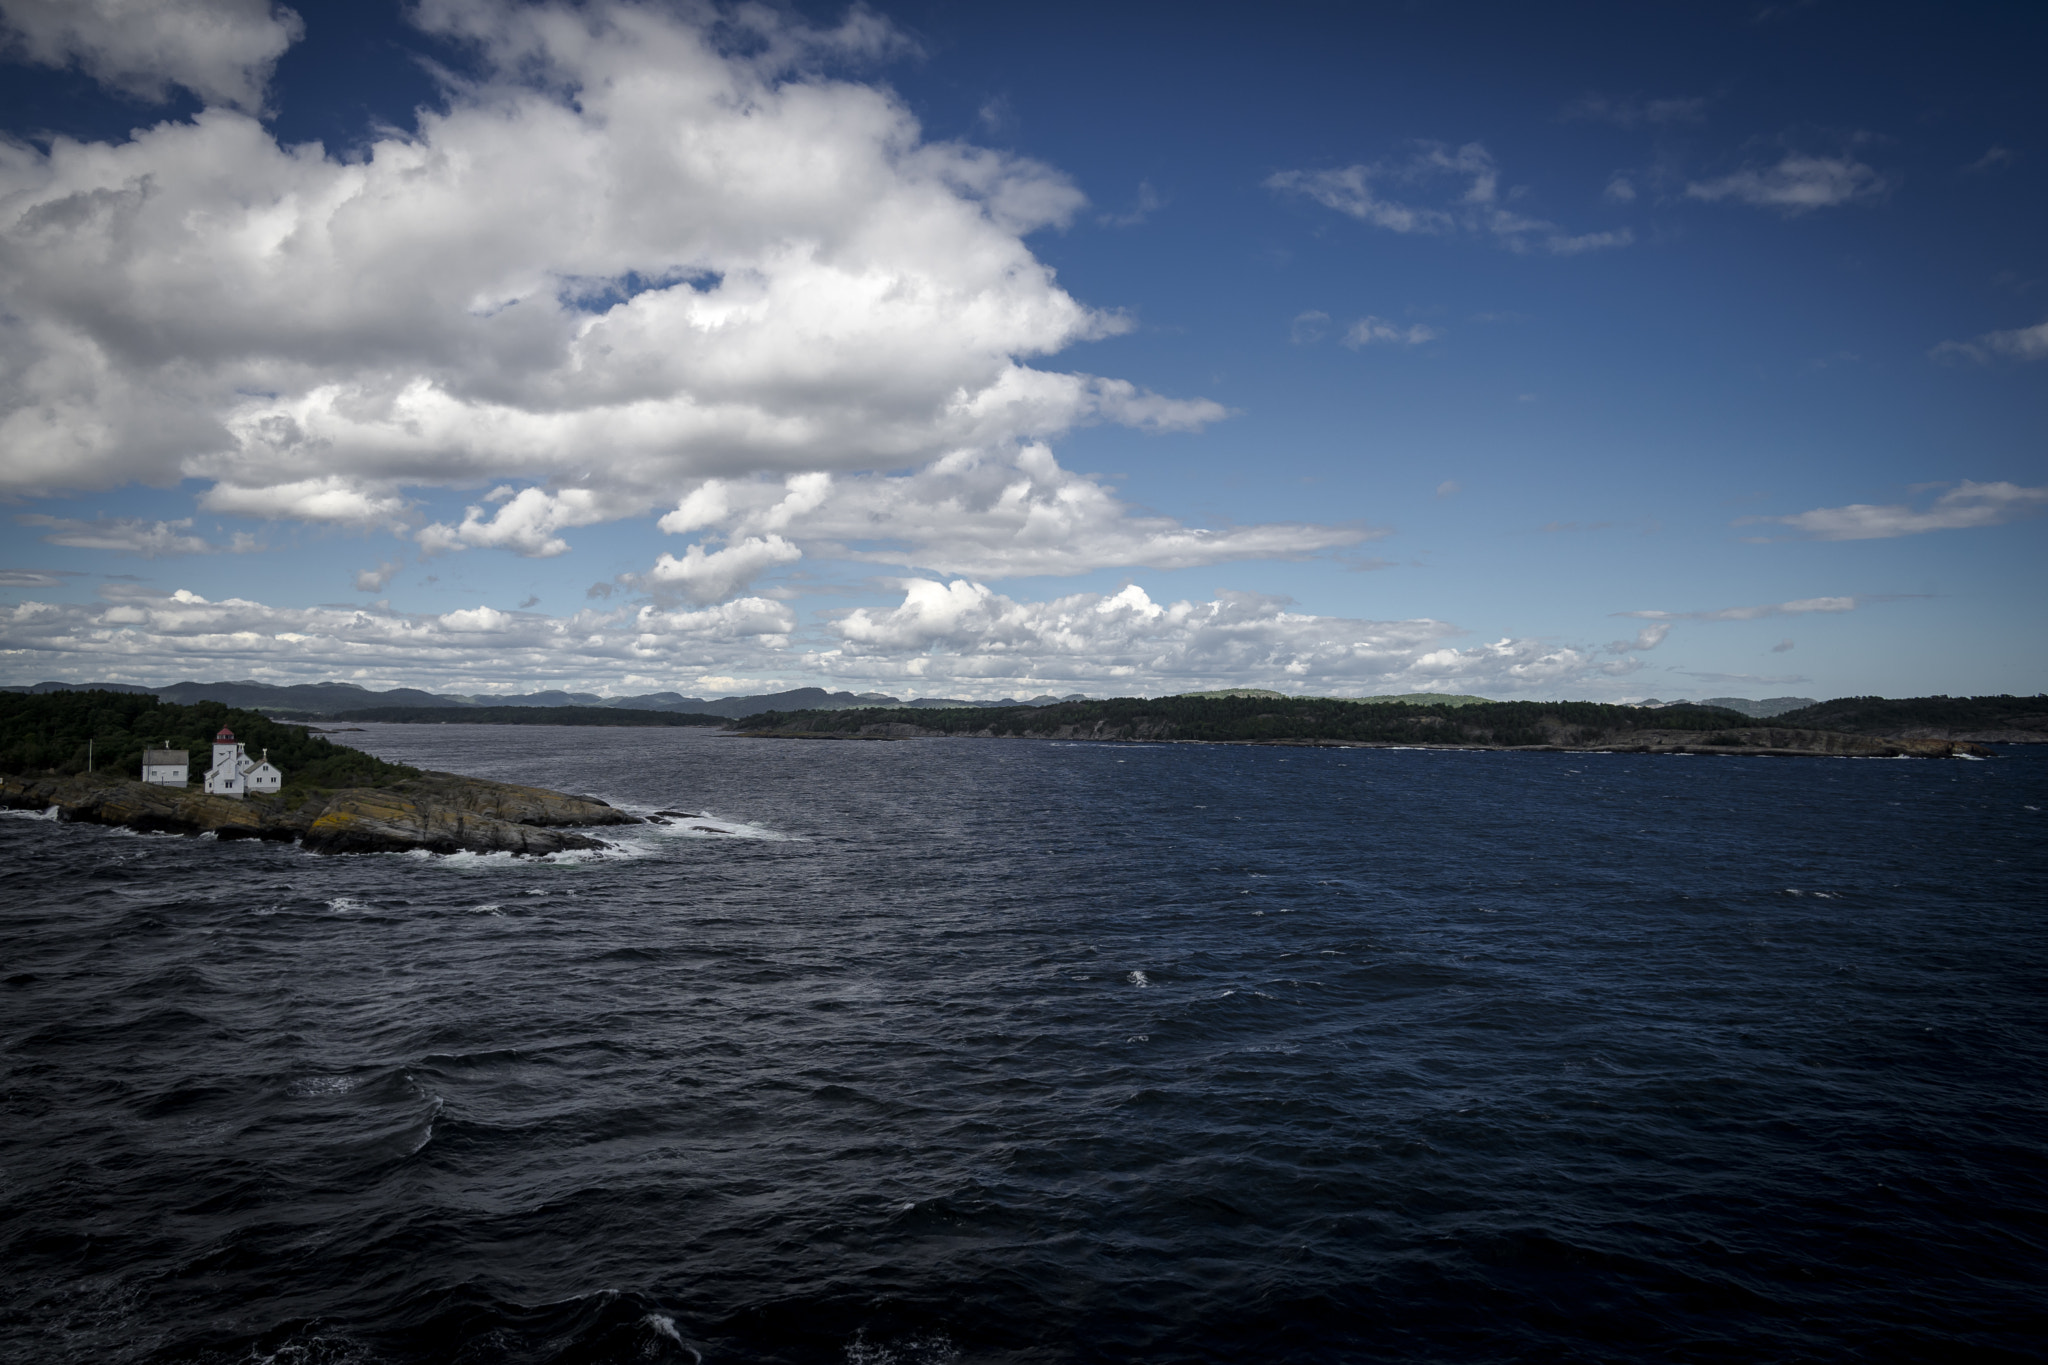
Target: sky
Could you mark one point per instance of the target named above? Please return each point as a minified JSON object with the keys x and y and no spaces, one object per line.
{"x":1589,"y":350}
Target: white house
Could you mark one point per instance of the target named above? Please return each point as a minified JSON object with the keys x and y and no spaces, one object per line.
{"x":165,"y":767}
{"x":235,"y":774}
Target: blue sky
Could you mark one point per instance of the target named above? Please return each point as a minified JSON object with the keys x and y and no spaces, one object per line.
{"x":1603,"y":350}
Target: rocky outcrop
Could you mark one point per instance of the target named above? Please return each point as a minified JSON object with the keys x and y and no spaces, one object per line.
{"x":438,"y":812}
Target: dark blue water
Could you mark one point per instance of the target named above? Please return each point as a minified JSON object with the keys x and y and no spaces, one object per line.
{"x":1026,"y":1052}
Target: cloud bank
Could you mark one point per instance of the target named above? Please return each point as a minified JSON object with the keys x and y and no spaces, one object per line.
{"x":958,"y":638}
{"x":222,"y":51}
{"x":642,"y":247}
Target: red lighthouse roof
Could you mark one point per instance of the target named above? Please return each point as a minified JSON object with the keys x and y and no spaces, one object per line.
{"x":226,"y":736}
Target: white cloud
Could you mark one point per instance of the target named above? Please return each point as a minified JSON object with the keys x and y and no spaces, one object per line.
{"x":1472,"y":204}
{"x":718,"y":575}
{"x":1802,"y":607}
{"x":374,"y":580}
{"x":526,"y":523}
{"x":1799,"y":183}
{"x":1963,"y":507}
{"x":990,"y":517}
{"x":962,"y":634}
{"x":136,"y":635}
{"x":220,"y":50}
{"x":622,"y":260}
{"x":327,"y":499}
{"x":952,"y":639}
{"x":1368,"y":330}
{"x":1648,"y":638}
{"x":1308,"y":328}
{"x":2020,"y":343}
{"x":125,"y":535}
{"x":1620,"y":190}
{"x":1449,"y":488}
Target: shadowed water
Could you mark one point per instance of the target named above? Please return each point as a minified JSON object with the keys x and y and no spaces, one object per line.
{"x":1019,"y":1051}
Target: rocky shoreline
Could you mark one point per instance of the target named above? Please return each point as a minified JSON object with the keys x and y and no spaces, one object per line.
{"x":437,"y":812}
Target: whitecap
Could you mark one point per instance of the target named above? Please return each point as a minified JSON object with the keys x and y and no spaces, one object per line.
{"x":1139,"y":979}
{"x":307,"y":1086}
{"x":51,"y":814}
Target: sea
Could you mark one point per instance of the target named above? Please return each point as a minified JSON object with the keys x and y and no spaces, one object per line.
{"x":958,"y":1050}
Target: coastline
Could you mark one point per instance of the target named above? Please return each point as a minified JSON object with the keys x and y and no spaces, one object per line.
{"x":435,"y":812}
{"x":1748,"y":741}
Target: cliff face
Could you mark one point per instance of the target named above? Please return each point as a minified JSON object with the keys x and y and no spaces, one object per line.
{"x":439,"y":812}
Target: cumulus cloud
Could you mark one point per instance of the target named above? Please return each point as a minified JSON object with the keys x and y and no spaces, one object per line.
{"x":1797,"y":184}
{"x":957,"y":638}
{"x":328,"y":499}
{"x":220,"y":50}
{"x":963,"y":633}
{"x":1963,"y":507}
{"x":626,"y":256}
{"x":526,"y":522}
{"x":142,"y":635}
{"x":124,"y":535}
{"x":374,"y":580}
{"x":2019,"y":343}
{"x":1368,"y":330}
{"x":720,"y":574}
{"x":985,"y":516}
{"x":1802,"y":607}
{"x":1464,"y":197}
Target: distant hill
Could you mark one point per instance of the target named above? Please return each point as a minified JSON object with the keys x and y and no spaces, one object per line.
{"x":527,"y":715}
{"x":2006,"y":719}
{"x":1266,"y":718}
{"x":1407,"y":698}
{"x":332,"y":700}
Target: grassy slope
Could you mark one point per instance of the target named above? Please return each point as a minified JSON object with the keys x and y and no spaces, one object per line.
{"x":1250,"y":718}
{"x":49,"y":733}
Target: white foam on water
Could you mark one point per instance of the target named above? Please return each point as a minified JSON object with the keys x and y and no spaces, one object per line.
{"x":1139,"y":979}
{"x":703,"y":825}
{"x":307,"y":1086}
{"x":342,"y":905}
{"x":50,"y":814}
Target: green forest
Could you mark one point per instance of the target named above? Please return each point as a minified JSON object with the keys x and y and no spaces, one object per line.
{"x":526,"y":715}
{"x":1880,"y":716}
{"x":50,"y":733}
{"x":1268,"y":718}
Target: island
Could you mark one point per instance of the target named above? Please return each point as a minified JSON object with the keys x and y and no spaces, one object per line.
{"x":82,"y":754}
{"x":1457,"y":723}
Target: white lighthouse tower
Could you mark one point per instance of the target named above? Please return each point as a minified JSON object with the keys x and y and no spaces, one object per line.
{"x":235,"y":774}
{"x":225,"y":778}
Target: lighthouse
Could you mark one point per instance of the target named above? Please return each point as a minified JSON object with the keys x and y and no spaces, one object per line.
{"x":235,"y":774}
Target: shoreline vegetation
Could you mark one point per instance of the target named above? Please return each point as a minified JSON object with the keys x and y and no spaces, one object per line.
{"x":1462,"y":724}
{"x":78,"y":753}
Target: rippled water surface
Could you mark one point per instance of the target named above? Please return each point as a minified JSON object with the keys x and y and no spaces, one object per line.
{"x":1017,"y":1051}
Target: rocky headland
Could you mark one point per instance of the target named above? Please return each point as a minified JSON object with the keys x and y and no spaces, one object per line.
{"x":437,"y":812}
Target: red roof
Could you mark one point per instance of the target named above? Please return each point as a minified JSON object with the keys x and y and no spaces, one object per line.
{"x":226,"y":736}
